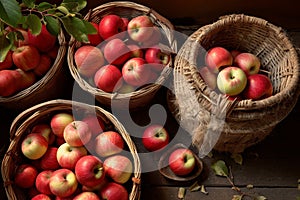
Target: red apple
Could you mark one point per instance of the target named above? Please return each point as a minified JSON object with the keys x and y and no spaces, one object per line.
{"x":25,"y":176}
{"x":88,"y":60}
{"x":44,"y":65}
{"x":44,"y":41}
{"x":136,"y":72}
{"x":182,"y":161}
{"x":26,"y":57}
{"x":114,"y":191}
{"x":111,"y":26}
{"x":231,"y":80}
{"x":23,"y":39}
{"x":45,"y":130}
{"x":140,"y":28}
{"x":96,"y":124}
{"x":77,"y":133}
{"x":218,"y":57}
{"x":154,"y":39}
{"x":157,"y":58}
{"x":155,"y":137}
{"x":8,"y":80}
{"x":209,"y":77}
{"x":7,"y":62}
{"x":25,"y":79}
{"x":259,"y":86}
{"x":48,"y":160}
{"x":95,"y":39}
{"x":89,"y":171}
{"x":116,"y":52}
{"x":234,"y":53}
{"x":108,"y":143}
{"x":119,"y":168}
{"x":52,"y":53}
{"x":34,"y":146}
{"x":248,"y":62}
{"x":63,"y":182}
{"x":42,"y":182}
{"x":108,"y":78}
{"x":41,"y":197}
{"x":125,"y":23}
{"x":87,"y":196}
{"x":67,"y":155}
{"x":59,"y":121}
{"x":135,"y":51}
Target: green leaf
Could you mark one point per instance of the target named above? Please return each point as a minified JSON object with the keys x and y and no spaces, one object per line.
{"x":74,"y":5}
{"x":238,"y":158}
{"x":52,"y":25}
{"x":29,"y":3}
{"x":298,"y":198}
{"x":260,"y":198}
{"x":10,"y":12}
{"x":220,"y":168}
{"x":75,"y":27}
{"x":90,"y":29}
{"x":63,"y":9}
{"x":44,"y":6}
{"x":194,"y":187}
{"x":34,"y":23}
{"x":4,"y":47}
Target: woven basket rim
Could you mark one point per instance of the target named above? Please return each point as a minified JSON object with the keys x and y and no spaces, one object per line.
{"x":248,"y":104}
{"x":45,"y":79}
{"x":22,"y":122}
{"x":145,"y":90}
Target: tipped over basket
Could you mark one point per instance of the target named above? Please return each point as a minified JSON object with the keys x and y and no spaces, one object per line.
{"x":213,"y":120}
{"x":41,"y":113}
{"x":142,"y":95}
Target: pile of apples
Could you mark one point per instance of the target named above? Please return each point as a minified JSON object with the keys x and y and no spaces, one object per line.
{"x":181,"y":161}
{"x":236,"y":74}
{"x":30,"y":60}
{"x":123,"y":55}
{"x":68,"y":158}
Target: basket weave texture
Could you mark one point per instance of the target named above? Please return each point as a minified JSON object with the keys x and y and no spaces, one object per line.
{"x":23,"y":123}
{"x":237,"y":124}
{"x":42,"y":90}
{"x":144,"y":95}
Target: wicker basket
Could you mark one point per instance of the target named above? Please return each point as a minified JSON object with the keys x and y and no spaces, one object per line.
{"x":42,"y":90}
{"x":144,"y":95}
{"x":22,"y":124}
{"x":208,"y":115}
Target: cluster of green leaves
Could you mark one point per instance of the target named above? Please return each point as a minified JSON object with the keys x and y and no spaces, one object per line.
{"x":29,"y":15}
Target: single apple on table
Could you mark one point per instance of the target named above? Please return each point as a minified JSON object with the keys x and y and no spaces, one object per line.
{"x":218,"y":57}
{"x":116,"y":52}
{"x":89,"y":171}
{"x":140,"y":28}
{"x":68,"y":155}
{"x":34,"y":146}
{"x":63,"y":182}
{"x":155,"y":137}
{"x":119,"y":168}
{"x":182,"y":161}
{"x":77,"y":133}
{"x":48,"y":161}
{"x":136,"y":72}
{"x":259,"y":86}
{"x":248,"y":62}
{"x":108,"y":143}
{"x":42,"y":182}
{"x":114,"y":191}
{"x":26,"y":57}
{"x":209,"y":77}
{"x":112,"y":26}
{"x":25,"y":175}
{"x":108,"y":78}
{"x":157,"y":58}
{"x":231,"y":80}
{"x":59,"y":121}
{"x":88,"y":60}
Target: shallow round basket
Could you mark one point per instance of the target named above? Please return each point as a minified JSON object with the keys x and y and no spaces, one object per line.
{"x":144,"y":95}
{"x":23,"y":123}
{"x":208,"y":115}
{"x":46,"y":87}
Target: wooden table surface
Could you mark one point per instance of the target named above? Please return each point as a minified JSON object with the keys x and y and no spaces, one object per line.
{"x":270,"y":168}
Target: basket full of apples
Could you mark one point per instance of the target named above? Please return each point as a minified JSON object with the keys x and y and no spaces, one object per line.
{"x":234,"y":81}
{"x":63,"y":149}
{"x":128,"y":58}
